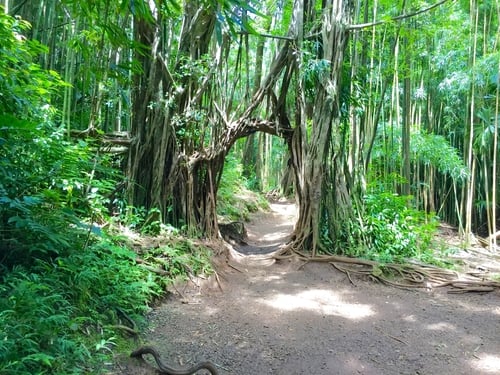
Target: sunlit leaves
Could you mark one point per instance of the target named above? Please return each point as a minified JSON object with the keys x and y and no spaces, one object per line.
{"x":234,"y":17}
{"x":427,"y":149}
{"x":435,"y":150}
{"x":24,"y":87}
{"x":484,"y":131}
{"x":54,"y":313}
{"x":141,"y":10}
{"x":485,"y":73}
{"x":388,"y":229}
{"x":315,"y":72}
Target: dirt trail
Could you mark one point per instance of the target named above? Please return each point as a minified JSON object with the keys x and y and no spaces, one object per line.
{"x":289,"y":318}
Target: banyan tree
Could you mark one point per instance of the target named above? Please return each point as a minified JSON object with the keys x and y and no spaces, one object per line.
{"x":187,"y":113}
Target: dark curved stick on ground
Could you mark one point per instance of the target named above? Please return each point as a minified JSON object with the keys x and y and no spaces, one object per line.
{"x":167,"y":370}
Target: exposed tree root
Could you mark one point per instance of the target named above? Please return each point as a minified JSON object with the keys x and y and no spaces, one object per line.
{"x":131,"y":329}
{"x":126,"y":329}
{"x":466,"y":286}
{"x":150,"y":267}
{"x":410,"y":275}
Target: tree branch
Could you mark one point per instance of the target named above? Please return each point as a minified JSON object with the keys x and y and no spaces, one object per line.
{"x":270,"y":36}
{"x":398,"y":18}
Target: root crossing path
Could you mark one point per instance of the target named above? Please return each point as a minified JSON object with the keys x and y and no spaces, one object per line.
{"x":290,"y":318}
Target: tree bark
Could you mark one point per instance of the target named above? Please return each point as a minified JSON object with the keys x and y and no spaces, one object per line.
{"x":179,"y":175}
{"x":320,"y":159}
{"x":163,"y":174}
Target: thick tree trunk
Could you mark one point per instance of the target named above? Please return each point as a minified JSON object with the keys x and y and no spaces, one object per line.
{"x":153,"y":153}
{"x":163,"y":173}
{"x":320,"y":159}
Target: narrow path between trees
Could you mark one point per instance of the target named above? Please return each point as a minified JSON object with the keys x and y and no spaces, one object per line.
{"x":267,"y":231}
{"x":294,"y":318}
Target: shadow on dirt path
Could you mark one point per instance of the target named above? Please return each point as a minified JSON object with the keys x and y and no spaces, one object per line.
{"x":292,"y":318}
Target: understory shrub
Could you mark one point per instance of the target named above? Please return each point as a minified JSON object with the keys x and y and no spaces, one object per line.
{"x":57,"y":315}
{"x":234,"y":201}
{"x":389,"y":229}
{"x":63,"y":315}
{"x":181,"y":258}
{"x":52,"y":192}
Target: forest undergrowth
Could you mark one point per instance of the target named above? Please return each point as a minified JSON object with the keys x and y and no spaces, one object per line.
{"x":71,"y":282}
{"x":76,"y":276}
{"x":76,"y":280}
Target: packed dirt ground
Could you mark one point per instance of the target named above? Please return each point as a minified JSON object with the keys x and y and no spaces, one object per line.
{"x":287,"y":317}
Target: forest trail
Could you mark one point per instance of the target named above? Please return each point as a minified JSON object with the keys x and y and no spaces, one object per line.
{"x":290,"y":318}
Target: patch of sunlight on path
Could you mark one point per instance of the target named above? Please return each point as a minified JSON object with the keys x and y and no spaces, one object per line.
{"x":487,"y":363}
{"x":321,"y":301}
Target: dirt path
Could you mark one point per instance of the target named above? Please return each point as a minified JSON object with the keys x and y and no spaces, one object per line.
{"x":289,"y":318}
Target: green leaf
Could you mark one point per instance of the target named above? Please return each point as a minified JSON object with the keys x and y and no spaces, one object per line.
{"x":41,"y":358}
{"x":9,"y":122}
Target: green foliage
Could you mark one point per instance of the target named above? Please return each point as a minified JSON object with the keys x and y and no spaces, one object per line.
{"x":426,"y":148}
{"x":314,"y":72}
{"x":60,"y":315}
{"x":62,"y":281}
{"x":145,"y":222}
{"x":234,"y":201}
{"x":435,"y":150}
{"x":24,"y":87}
{"x":282,"y":11}
{"x":56,"y":316}
{"x":388,"y":229}
{"x":46,"y":185}
{"x":233,"y":17}
{"x":181,"y":258}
